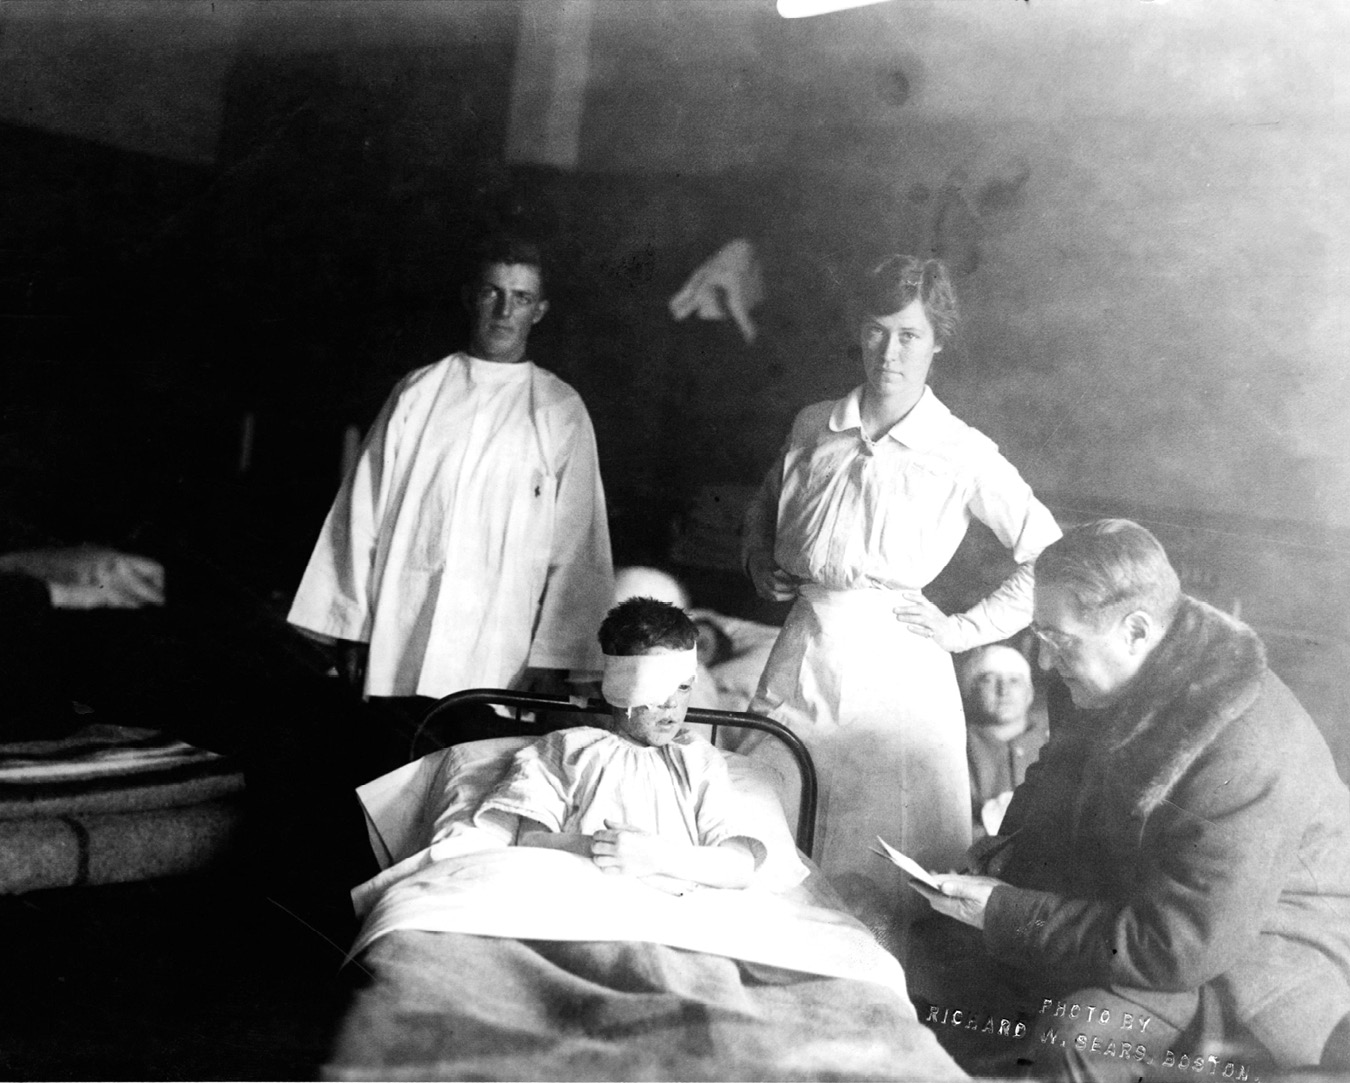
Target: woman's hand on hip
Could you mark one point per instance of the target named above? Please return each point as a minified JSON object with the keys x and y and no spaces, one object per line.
{"x":923,"y":618}
{"x":771,"y":582}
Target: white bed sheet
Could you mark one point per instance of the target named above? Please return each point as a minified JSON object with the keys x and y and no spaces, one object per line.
{"x":537,"y":894}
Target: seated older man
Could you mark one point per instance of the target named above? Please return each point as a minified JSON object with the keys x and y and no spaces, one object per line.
{"x":1170,"y":891}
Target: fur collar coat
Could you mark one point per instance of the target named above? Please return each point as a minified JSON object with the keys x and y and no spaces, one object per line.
{"x":1194,"y":832}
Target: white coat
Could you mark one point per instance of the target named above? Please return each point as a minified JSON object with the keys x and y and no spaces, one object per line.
{"x":471,"y":540}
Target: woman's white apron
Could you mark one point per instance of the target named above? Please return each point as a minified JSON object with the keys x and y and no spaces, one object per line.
{"x":879,"y":709}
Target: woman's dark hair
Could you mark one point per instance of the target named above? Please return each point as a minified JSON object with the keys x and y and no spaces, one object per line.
{"x":898,"y":280}
{"x":637,"y":625}
{"x":510,"y":249}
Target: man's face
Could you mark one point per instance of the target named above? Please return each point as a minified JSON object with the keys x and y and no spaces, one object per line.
{"x":1095,"y":663}
{"x":898,"y":351}
{"x":505,"y":305}
{"x":1001,"y":690}
{"x":655,"y":726}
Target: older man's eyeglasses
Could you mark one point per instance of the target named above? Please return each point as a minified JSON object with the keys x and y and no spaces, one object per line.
{"x":1055,"y":639}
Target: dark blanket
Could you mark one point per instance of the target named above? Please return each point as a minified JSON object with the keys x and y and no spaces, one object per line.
{"x":458,"y":1006}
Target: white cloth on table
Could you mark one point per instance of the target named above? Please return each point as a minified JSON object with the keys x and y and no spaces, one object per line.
{"x":877,"y":705}
{"x":471,"y":540}
{"x":573,"y":780}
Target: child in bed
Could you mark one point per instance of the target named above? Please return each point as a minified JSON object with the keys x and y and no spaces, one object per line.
{"x":644,"y":796}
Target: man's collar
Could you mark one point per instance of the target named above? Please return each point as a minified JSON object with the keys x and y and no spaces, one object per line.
{"x":469,"y":355}
{"x":919,"y":429}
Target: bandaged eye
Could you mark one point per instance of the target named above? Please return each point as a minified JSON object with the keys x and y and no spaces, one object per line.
{"x":648,"y":680}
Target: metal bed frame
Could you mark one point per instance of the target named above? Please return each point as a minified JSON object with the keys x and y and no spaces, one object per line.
{"x":526,"y":701}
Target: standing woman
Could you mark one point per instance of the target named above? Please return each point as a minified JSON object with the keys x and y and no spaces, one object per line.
{"x":868,"y":501}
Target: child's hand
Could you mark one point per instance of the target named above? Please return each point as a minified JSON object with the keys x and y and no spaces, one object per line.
{"x":628,"y":850}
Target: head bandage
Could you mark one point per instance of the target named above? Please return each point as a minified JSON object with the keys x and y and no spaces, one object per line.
{"x":646,"y":680}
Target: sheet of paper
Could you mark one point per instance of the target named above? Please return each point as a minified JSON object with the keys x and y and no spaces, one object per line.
{"x":908,"y":864}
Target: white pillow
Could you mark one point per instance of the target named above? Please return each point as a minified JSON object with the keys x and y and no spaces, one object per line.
{"x":408,"y":809}
{"x":435,"y":797}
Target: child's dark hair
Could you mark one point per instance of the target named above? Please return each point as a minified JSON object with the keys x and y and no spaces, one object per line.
{"x":637,"y":625}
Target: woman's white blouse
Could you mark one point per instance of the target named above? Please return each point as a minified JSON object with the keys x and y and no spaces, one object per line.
{"x":847,"y":513}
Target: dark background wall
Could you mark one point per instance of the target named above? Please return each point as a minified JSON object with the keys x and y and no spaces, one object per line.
{"x":227,"y":227}
{"x":1146,"y":198}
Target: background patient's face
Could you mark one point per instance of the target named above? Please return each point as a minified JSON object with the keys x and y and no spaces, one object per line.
{"x":1001,"y":692}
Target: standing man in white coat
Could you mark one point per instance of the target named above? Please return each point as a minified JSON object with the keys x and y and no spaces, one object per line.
{"x":469,"y":547}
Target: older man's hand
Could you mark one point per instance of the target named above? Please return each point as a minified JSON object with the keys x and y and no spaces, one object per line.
{"x":963,"y":897}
